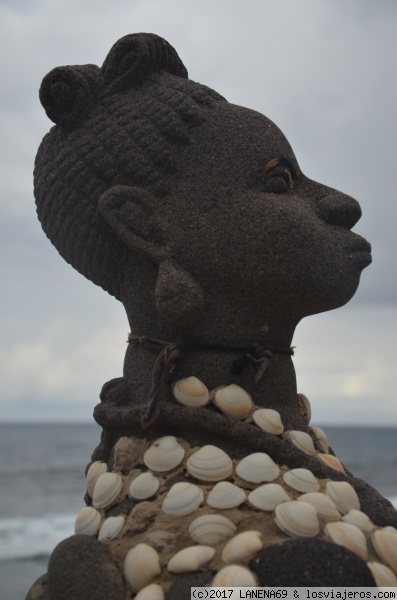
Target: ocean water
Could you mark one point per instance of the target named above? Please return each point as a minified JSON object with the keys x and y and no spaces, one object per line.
{"x":42,"y":485}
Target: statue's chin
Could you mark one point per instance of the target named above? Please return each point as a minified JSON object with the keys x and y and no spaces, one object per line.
{"x":336,"y":298}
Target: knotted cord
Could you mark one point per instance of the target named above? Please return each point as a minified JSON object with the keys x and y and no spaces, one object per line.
{"x":166,"y":365}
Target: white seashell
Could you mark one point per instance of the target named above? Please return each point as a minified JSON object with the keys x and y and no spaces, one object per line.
{"x":257,"y":467}
{"x":301,"y":440}
{"x":298,"y":519}
{"x":359,"y":519}
{"x":268,"y":496}
{"x":301,"y":480}
{"x":385,"y":544}
{"x":190,"y":559}
{"x":233,"y":401}
{"x":384,"y":577}
{"x":390,"y":528}
{"x":107,"y":488}
{"x":144,"y":486}
{"x":210,"y":464}
{"x":226,"y":495}
{"x":159,"y":538}
{"x":152,"y":591}
{"x":349,"y":536}
{"x":234,"y":576}
{"x":182,"y":499}
{"x":243,"y":546}
{"x":304,"y":405}
{"x":141,"y":566}
{"x":332,"y":461}
{"x":96,"y":469}
{"x":344,"y":496}
{"x":111,"y":527}
{"x":323,"y":504}
{"x":164,"y":454}
{"x":269,"y":420}
{"x":211,"y":529}
{"x":87,"y":521}
{"x":191,"y":392}
{"x":321,"y":438}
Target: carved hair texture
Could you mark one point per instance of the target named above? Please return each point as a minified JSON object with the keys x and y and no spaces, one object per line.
{"x":124,"y":124}
{"x":135,"y":56}
{"x":68,"y":94}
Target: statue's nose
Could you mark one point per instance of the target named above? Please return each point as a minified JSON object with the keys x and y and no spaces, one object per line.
{"x":339,"y":209}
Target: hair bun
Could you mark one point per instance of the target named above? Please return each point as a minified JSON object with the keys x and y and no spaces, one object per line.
{"x":69,"y":93}
{"x":137,"y":55}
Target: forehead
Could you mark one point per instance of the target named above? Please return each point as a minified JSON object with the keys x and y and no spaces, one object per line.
{"x":234,"y":142}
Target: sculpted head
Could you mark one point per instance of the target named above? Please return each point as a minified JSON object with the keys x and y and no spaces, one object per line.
{"x":160,"y":191}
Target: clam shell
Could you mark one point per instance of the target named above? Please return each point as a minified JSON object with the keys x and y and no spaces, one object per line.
{"x":349,"y":536}
{"x":226,"y":495}
{"x":385,"y":544}
{"x":332,"y":462}
{"x":210,"y":464}
{"x":233,"y":401}
{"x":153,"y":591}
{"x":301,"y":440}
{"x":182,"y":499}
{"x":384,"y":577}
{"x":107,"y":488}
{"x":87,"y":521}
{"x":234,"y":576}
{"x":305,"y":408}
{"x":159,"y":538}
{"x":297,"y":519}
{"x":96,"y":469}
{"x":144,"y":486}
{"x":390,"y":528}
{"x":359,"y":519}
{"x":141,"y":566}
{"x":242,"y":546}
{"x":269,"y":420}
{"x":268,"y":496}
{"x":164,"y":454}
{"x":211,"y":529}
{"x":323,"y":504}
{"x":191,"y":392}
{"x":190,"y":559}
{"x":321,"y":439}
{"x":111,"y":527}
{"x":344,"y":496}
{"x":257,"y":467}
{"x":301,"y":480}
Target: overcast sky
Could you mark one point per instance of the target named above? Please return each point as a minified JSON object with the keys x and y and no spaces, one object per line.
{"x":323,"y":70}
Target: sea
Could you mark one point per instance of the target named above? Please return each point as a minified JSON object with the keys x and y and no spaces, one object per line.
{"x":42,"y":486}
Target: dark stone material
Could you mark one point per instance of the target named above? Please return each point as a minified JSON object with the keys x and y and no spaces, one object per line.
{"x":82,"y":568}
{"x":180,"y":588}
{"x":310,"y":562}
{"x":39,"y":590}
{"x":194,"y":213}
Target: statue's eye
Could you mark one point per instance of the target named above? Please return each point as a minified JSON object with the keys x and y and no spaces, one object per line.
{"x":277,"y":180}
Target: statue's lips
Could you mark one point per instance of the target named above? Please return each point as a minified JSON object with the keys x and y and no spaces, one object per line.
{"x":361,"y":251}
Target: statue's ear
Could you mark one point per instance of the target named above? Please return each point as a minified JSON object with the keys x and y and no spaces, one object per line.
{"x":179,"y":299}
{"x":130,"y":212}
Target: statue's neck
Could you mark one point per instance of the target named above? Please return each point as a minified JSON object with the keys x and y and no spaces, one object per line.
{"x":275,"y":389}
{"x":224,"y":326}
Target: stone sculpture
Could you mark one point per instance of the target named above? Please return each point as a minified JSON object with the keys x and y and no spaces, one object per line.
{"x":194,"y":214}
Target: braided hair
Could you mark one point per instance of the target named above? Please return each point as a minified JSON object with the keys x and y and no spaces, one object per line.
{"x":122,"y":124}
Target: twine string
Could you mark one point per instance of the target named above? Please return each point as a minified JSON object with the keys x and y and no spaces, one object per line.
{"x":168,"y":360}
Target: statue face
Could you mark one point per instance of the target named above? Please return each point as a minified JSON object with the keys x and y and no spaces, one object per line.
{"x":242,"y":218}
